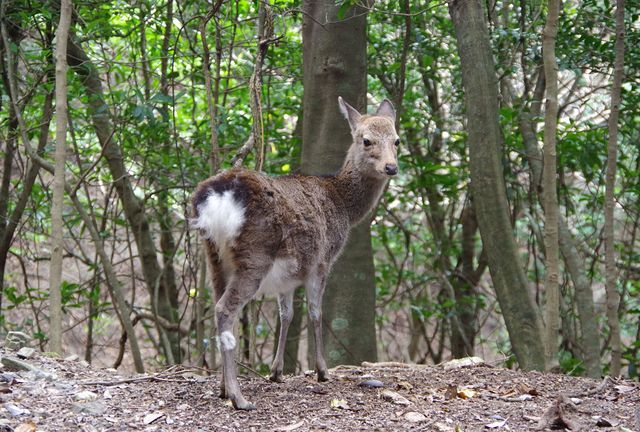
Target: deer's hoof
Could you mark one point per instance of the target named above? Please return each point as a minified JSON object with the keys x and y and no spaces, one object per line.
{"x":276,"y":377}
{"x":242,"y":404}
{"x":323,"y":376}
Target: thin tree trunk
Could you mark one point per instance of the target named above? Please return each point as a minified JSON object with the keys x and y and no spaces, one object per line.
{"x":332,"y":68}
{"x":574,"y":262}
{"x":613,"y":297}
{"x":549,"y":195}
{"x":132,"y":205}
{"x":57,"y":224}
{"x":212,"y":92}
{"x":487,"y":183}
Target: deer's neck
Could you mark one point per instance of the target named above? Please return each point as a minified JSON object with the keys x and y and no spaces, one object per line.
{"x":357,"y":193}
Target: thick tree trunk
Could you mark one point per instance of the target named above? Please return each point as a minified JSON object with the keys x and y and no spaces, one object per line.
{"x":613,"y":297}
{"x":488,"y":188}
{"x":549,"y":194}
{"x":334,"y":57}
{"x":57,"y":224}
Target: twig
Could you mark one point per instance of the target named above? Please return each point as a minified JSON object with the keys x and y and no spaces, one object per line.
{"x":255,"y":372}
{"x":605,"y":382}
{"x":162,"y":376}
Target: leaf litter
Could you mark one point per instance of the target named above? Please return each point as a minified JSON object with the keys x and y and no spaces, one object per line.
{"x":470,"y":398}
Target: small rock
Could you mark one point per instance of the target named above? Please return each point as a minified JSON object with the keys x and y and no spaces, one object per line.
{"x":576,"y":401}
{"x":26,"y":352}
{"x":414,"y":417}
{"x":15,"y":410}
{"x":72,"y":358}
{"x":16,"y":340}
{"x":372,"y":383}
{"x":463,"y":362}
{"x":12,"y":363}
{"x":91,"y":408}
{"x":394,"y":397}
{"x":86,"y":396}
{"x":603,"y":422}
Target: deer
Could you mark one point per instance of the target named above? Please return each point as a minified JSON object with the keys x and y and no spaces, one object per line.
{"x":267,"y":235}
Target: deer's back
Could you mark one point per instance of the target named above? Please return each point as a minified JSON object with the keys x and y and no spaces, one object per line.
{"x":255,"y":219}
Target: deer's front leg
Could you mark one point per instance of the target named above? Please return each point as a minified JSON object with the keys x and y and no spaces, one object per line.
{"x":315,"y":291}
{"x":285,"y":304}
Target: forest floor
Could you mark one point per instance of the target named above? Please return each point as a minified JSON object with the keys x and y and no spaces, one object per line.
{"x":69,"y":395}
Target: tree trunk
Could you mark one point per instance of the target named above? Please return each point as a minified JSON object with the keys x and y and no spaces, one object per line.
{"x":332,"y":68}
{"x":132,"y":205}
{"x":487,"y":184}
{"x":574,"y":262}
{"x":613,"y":297}
{"x":549,"y":194}
{"x":57,"y":224}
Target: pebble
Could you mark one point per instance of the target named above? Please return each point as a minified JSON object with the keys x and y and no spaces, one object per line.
{"x":26,"y":352}
{"x":415,"y":417}
{"x":372,"y":383}
{"x":15,"y":410}
{"x":92,"y":408}
{"x":86,"y":396}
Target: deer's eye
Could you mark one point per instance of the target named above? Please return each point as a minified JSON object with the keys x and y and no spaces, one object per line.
{"x":397,"y":143}
{"x":366,"y":143}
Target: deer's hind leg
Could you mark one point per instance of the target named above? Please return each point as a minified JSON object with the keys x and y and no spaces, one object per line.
{"x":219,"y":281}
{"x":239,"y":290}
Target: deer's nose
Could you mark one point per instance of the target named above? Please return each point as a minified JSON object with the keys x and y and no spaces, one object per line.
{"x":391,"y":169}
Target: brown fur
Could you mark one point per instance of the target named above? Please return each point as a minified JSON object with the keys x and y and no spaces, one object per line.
{"x":301,"y":220}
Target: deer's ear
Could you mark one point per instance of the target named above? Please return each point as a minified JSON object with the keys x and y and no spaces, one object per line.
{"x":386,"y":109}
{"x":350,"y":113}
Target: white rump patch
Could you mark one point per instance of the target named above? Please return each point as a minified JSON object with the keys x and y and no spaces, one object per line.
{"x":220,"y":218}
{"x":227,"y":341}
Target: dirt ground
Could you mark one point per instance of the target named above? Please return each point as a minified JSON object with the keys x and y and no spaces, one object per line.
{"x":69,"y":395}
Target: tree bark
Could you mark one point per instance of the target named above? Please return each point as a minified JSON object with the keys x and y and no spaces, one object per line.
{"x":57,"y":224}
{"x":487,"y":184}
{"x":613,"y":297}
{"x":335,"y":68}
{"x":549,"y":194}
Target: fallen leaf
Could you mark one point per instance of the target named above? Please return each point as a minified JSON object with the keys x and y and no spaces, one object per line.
{"x":415,"y":417}
{"x":29,"y":426}
{"x":404,"y":385}
{"x":151,"y":417}
{"x":622,"y":389}
{"x":451,"y":392}
{"x":496,"y":424}
{"x":466,"y":393}
{"x":339,"y":403}
{"x":395,"y":397}
{"x":291,"y":426}
{"x":319,"y":390}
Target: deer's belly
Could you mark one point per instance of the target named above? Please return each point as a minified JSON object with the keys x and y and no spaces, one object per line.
{"x":280,"y":279}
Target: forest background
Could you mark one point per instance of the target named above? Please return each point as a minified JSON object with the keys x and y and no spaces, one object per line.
{"x":101,"y":154}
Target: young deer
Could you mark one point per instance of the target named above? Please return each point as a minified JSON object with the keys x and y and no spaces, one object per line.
{"x":266,"y":235}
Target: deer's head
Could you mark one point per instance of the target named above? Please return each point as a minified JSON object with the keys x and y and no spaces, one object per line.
{"x":374,"y":151}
